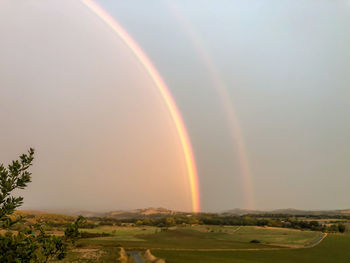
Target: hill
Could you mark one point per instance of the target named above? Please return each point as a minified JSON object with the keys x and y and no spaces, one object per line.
{"x":163,"y":212}
{"x":289,"y":211}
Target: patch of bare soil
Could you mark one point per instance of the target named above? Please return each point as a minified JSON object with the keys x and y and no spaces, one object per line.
{"x":89,"y":253}
{"x":149,"y":258}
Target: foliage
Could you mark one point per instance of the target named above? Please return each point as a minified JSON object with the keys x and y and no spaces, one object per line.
{"x":15,"y":176}
{"x":72,"y":231}
{"x":272,"y":220}
{"x":341,"y":228}
{"x":216,"y":219}
{"x":28,"y":243}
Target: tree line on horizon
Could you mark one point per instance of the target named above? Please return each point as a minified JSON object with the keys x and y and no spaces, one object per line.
{"x":284,"y":221}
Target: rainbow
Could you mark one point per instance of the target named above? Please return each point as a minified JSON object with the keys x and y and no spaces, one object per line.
{"x":164,"y":92}
{"x":221,"y":88}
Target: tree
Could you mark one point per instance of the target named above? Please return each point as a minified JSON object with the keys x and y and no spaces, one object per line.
{"x":332,"y":228}
{"x":30,"y":243}
{"x":341,"y":228}
{"x":169,"y":221}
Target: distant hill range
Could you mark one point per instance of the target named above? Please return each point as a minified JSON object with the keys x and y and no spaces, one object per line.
{"x":161,"y":212}
{"x":289,"y":211}
{"x":122,"y":214}
{"x":146,"y":212}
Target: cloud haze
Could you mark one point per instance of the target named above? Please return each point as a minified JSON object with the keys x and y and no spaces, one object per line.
{"x":104,"y":139}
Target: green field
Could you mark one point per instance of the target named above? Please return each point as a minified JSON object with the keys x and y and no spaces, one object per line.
{"x":335,"y":248}
{"x":223,"y":244}
{"x":275,"y":236}
{"x":200,"y":237}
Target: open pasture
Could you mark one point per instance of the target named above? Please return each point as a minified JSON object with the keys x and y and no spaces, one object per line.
{"x":200,"y":237}
{"x":334,"y":248}
{"x":275,"y":236}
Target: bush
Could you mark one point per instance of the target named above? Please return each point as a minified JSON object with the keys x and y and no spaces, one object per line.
{"x":91,"y":235}
{"x":29,"y":243}
{"x":341,"y":228}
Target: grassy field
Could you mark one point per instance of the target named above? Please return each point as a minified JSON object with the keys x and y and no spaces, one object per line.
{"x":201,"y":237}
{"x":90,"y":255}
{"x":213,"y":244}
{"x":334,"y":249}
{"x":175,"y":238}
{"x":123,"y":233}
{"x":275,"y":236}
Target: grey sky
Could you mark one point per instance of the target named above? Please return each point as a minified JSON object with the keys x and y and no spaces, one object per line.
{"x":72,"y":90}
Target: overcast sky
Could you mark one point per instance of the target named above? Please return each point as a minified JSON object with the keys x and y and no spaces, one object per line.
{"x":104,"y":139}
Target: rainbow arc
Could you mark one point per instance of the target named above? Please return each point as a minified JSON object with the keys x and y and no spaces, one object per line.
{"x":164,"y":92}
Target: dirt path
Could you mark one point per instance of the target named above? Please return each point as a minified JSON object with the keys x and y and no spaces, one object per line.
{"x":234,"y":231}
{"x":318,"y":240}
{"x":136,"y":256}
